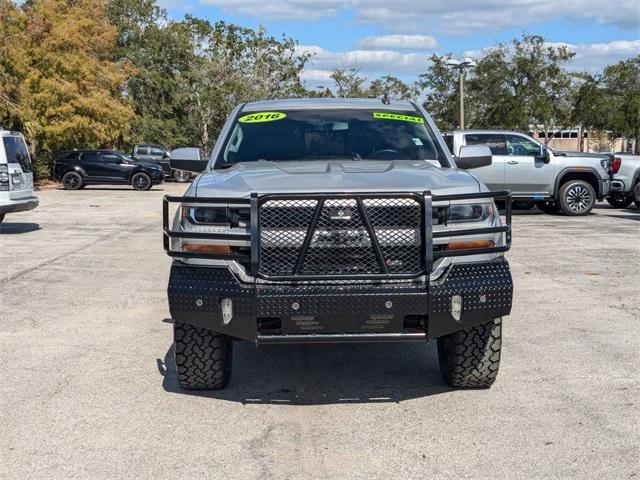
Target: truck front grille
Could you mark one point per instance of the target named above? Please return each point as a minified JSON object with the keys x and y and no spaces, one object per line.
{"x":334,"y":236}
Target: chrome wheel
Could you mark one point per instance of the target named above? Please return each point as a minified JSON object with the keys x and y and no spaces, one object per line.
{"x":141,"y":181}
{"x":579,"y":199}
{"x":181,"y":176}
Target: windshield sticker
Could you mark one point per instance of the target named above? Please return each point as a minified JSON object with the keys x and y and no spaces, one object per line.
{"x":417,"y":141}
{"x":395,"y":116}
{"x":262,"y":117}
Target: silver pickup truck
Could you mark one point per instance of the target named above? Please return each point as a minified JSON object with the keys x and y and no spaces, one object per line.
{"x":555,"y":181}
{"x":626,"y":181}
{"x":335,"y":220}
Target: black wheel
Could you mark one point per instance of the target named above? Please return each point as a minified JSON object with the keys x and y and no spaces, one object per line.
{"x":203,"y":357}
{"x":619,"y":200}
{"x":470,"y":358}
{"x":141,"y":181}
{"x":548,"y":207}
{"x":577,"y":197}
{"x":72,"y":181}
{"x":181,"y":176}
{"x":636,"y":195}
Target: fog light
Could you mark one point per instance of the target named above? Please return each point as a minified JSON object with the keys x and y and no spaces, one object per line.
{"x":456,"y":307}
{"x":227,"y":310}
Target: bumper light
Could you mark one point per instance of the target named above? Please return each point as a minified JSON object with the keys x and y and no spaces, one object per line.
{"x":203,"y":248}
{"x":471,"y":245}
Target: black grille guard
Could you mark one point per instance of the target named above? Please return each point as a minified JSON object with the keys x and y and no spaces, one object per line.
{"x":426,"y":201}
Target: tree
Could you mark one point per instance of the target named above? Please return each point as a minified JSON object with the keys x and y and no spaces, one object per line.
{"x":348,"y":82}
{"x":521,"y":84}
{"x":232,"y":65}
{"x":390,"y":87}
{"x":442,"y":94}
{"x":13,"y":64}
{"x":610,"y":102}
{"x":622,"y":86}
{"x":70,"y":92}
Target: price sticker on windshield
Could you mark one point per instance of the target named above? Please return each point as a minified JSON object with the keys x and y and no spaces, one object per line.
{"x":395,"y":116}
{"x":262,"y":117}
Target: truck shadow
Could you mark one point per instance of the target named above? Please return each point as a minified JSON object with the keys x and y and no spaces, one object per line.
{"x":323,"y":374}
{"x":18,"y":227}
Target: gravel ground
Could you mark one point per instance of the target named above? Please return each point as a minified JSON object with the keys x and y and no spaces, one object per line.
{"x":88,"y":388}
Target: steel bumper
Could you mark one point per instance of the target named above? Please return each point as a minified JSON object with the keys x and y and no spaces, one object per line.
{"x":19,"y":205}
{"x":340,"y":312}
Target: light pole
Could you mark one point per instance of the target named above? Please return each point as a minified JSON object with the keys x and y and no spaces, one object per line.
{"x":460,"y":65}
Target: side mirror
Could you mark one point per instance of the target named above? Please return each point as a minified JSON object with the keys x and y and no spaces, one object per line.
{"x":187,"y":159}
{"x":544,"y":153}
{"x":166,"y":155}
{"x":473,"y":156}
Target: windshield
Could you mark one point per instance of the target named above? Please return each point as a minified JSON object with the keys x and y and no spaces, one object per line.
{"x":326,"y":134}
{"x":17,"y":152}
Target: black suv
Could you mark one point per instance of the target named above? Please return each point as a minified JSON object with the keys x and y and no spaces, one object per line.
{"x":79,"y":168}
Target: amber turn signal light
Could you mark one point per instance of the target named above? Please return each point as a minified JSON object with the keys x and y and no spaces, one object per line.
{"x":203,"y":248}
{"x":472,"y":245}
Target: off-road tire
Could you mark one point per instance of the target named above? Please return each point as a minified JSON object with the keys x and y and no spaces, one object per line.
{"x":577,"y":198}
{"x":181,"y":176}
{"x":72,"y":181}
{"x":470,"y":358}
{"x":548,"y":207}
{"x":619,"y":200}
{"x":203,"y":357}
{"x":141,"y":181}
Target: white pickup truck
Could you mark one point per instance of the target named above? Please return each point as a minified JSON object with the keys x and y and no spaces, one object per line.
{"x":532,"y":172}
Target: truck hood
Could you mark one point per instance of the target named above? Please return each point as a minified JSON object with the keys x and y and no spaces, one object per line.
{"x":334,"y":176}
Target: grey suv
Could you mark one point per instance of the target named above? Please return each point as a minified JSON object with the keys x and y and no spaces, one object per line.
{"x":556,"y":181}
{"x":335,"y":220}
{"x":147,"y":152}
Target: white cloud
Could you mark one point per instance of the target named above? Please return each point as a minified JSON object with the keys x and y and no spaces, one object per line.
{"x":466,"y":16}
{"x":461,"y":17}
{"x":283,"y":9}
{"x":400,"y":42}
{"x":370,"y":62}
{"x":591,"y":57}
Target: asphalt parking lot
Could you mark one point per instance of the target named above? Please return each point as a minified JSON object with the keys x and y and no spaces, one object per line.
{"x":88,"y":387}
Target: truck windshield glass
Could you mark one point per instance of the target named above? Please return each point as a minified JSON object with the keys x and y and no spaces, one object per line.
{"x":326,"y":134}
{"x":17,"y":152}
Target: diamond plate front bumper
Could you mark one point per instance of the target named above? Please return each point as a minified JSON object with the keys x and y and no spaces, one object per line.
{"x":333,"y":312}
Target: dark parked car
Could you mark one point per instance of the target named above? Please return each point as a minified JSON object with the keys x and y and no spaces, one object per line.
{"x":79,"y":168}
{"x":157,"y":154}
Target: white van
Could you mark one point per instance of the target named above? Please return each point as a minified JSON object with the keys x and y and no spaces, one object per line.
{"x":16,"y":176}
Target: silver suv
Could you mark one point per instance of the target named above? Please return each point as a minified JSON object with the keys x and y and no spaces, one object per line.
{"x":16,"y":177}
{"x":556,"y":181}
{"x":335,"y":220}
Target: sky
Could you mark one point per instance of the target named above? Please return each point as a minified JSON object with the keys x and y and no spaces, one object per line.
{"x":395,"y":37}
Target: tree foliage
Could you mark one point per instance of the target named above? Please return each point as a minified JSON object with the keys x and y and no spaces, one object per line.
{"x":69,"y":92}
{"x":611,"y":101}
{"x":520,"y":84}
{"x":442,"y":94}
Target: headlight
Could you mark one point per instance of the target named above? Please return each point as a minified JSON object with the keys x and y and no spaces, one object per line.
{"x":206,"y":215}
{"x":225,"y":216}
{"x":470,"y":213}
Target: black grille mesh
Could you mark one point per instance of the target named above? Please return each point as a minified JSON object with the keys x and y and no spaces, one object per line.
{"x":340,"y":243}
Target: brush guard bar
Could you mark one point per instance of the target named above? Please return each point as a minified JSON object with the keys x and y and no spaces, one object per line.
{"x":426,"y":201}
